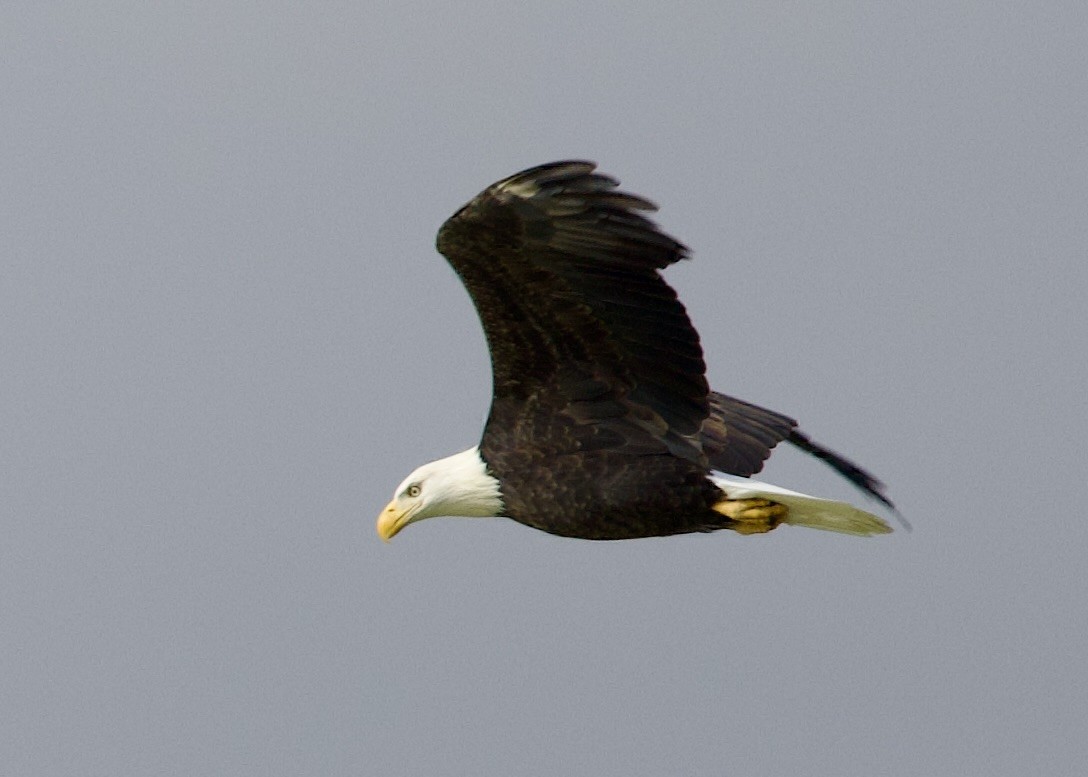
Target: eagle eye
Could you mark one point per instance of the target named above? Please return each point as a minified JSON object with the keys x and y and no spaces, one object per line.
{"x":413,"y":490}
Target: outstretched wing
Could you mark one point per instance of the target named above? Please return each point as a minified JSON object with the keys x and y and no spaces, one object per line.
{"x":737,"y":437}
{"x":563,"y":270}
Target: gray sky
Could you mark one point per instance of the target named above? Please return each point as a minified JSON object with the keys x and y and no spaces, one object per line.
{"x":226,"y":337}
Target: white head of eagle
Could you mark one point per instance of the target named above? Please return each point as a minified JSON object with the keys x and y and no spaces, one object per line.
{"x":457,"y":485}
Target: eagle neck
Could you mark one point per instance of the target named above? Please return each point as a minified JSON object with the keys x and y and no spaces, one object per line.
{"x":469,"y":487}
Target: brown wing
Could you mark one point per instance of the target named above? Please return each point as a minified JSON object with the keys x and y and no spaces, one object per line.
{"x":563,"y":270}
{"x":737,"y":437}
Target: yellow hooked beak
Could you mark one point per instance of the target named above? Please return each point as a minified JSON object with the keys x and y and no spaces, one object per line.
{"x":392,"y":521}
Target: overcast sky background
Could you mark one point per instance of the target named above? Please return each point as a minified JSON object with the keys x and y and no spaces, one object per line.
{"x":225,"y":337}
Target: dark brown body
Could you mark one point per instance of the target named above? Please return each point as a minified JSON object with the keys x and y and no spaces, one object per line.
{"x":603,"y":494}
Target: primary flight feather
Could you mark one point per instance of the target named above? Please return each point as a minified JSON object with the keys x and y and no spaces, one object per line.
{"x":602,"y":425}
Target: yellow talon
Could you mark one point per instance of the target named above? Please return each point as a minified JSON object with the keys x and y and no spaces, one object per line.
{"x":752,"y":516}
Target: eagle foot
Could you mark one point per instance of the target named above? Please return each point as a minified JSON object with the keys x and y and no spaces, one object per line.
{"x":751,"y":516}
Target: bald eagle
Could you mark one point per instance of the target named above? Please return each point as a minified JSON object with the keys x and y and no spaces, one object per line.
{"x":602,"y":425}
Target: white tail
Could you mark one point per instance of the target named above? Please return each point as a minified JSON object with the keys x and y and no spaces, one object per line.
{"x":805,"y":510}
